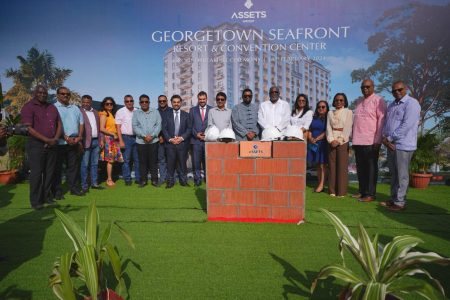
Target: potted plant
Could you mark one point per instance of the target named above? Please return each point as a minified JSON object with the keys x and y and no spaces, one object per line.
{"x":388,"y":271}
{"x":16,"y":153}
{"x":88,"y":261}
{"x":422,"y":159}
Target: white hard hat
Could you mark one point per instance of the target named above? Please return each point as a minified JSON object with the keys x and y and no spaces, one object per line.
{"x":227,"y":135}
{"x":212,"y":134}
{"x":293,"y":133}
{"x":271,"y":134}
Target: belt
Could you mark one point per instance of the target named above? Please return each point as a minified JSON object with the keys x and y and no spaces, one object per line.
{"x":130,"y":135}
{"x":338,"y":129}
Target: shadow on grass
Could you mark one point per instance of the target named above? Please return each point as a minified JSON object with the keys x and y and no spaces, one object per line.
{"x":300,"y":284}
{"x":6,"y":195}
{"x":12,"y":292}
{"x":200,"y":194}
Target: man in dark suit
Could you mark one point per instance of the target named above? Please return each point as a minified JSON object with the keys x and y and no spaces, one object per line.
{"x":199,"y":120}
{"x":176,"y":130}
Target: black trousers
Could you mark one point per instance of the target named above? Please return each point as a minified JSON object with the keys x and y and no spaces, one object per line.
{"x":148,"y":160}
{"x":42,"y":161}
{"x":68,"y":154}
{"x":176,"y":156}
{"x":367,"y":168}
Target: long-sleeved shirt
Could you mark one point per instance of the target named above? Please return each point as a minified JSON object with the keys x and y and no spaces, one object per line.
{"x":244,"y":118}
{"x":402,"y":121}
{"x":221,"y":118}
{"x":339,"y":125}
{"x":71,"y":119}
{"x":274,"y":115}
{"x":304,"y":121}
{"x":368,"y":120}
{"x":146,"y":123}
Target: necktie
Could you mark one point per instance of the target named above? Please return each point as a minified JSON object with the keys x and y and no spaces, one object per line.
{"x":203,"y":114}
{"x":177,"y":123}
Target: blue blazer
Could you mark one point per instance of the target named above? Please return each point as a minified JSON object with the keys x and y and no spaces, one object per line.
{"x":168,"y":126}
{"x":196,"y":122}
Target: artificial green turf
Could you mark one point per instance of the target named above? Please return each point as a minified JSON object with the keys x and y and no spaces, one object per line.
{"x":179,"y":255}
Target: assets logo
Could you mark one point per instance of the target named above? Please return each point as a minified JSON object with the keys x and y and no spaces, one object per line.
{"x":249,"y":16}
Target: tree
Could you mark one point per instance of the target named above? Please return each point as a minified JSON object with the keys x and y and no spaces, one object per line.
{"x":37,"y":68}
{"x":413,"y":47}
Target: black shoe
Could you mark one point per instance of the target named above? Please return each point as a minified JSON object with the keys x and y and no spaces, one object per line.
{"x":155,"y":183}
{"x":127,"y":183}
{"x":142,"y":184}
{"x":169,"y":186}
{"x":59,"y":197}
{"x":184,"y":184}
{"x":137,"y":182}
{"x":77,"y":193}
{"x":97,"y":187}
{"x":50,"y":201}
{"x":85,"y":190}
{"x":37,"y":206}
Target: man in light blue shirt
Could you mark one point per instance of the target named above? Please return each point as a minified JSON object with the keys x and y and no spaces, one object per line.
{"x":400,"y":138}
{"x":69,"y":144}
{"x":146,"y":124}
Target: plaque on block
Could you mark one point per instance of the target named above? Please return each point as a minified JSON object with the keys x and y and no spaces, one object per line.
{"x":255,"y":149}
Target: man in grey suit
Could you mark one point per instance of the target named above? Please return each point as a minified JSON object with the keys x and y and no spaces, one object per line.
{"x":198,"y":116}
{"x":244,"y":118}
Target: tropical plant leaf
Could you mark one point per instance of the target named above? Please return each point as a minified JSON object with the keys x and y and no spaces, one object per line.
{"x":418,"y":287}
{"x":367,"y":253}
{"x":105,"y":236}
{"x":338,"y":272}
{"x":375,"y":291}
{"x":414,"y":271}
{"x":115,"y":261}
{"x":87,"y":260}
{"x":72,"y":229}
{"x":91,"y":224}
{"x":341,"y":230}
{"x":66,"y":281}
{"x":125,"y":235}
{"x":397,"y":248}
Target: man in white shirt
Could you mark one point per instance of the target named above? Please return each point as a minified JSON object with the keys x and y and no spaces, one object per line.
{"x":274,"y":113}
{"x":127,"y":140}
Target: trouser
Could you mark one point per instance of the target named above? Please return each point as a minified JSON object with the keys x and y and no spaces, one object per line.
{"x":67,"y":154}
{"x":162,"y":165}
{"x":399,"y":166}
{"x":130,"y":153}
{"x":42,"y":161}
{"x":89,"y":161}
{"x":148,"y":161}
{"x":176,"y":158}
{"x":198,"y":161}
{"x":367,"y":168}
{"x":338,"y":176}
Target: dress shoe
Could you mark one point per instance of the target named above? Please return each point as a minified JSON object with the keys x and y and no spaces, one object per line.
{"x":50,"y":201}
{"x":366,"y":199}
{"x":85,"y":190}
{"x":184,"y":184}
{"x":387,"y":203}
{"x":169,"y":186}
{"x":396,"y":207}
{"x":59,"y":197}
{"x":77,"y":193}
{"x":127,"y":183}
{"x":37,"y":206}
{"x":97,"y":187}
{"x":142,"y":184}
{"x":155,"y":183}
{"x":357,"y":196}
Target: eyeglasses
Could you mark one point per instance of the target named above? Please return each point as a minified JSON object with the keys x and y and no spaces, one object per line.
{"x":398,"y":90}
{"x":64,"y":94}
{"x":108,"y":104}
{"x":129,"y":101}
{"x":247,"y":96}
{"x":220,"y":99}
{"x":144,"y":101}
{"x":162,"y":101}
{"x":321,"y":106}
{"x":366,"y":86}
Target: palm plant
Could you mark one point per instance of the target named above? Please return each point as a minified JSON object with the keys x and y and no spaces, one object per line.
{"x":87,"y":262}
{"x":387,"y":268}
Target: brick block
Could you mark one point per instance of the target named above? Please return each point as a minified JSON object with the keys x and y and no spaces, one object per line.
{"x":222,"y":150}
{"x":239,"y":166}
{"x":222,"y":211}
{"x":214,"y":196}
{"x":289,"y":150}
{"x":292,"y":182}
{"x":272,"y":198}
{"x":239,"y":197}
{"x":254,"y":182}
{"x":221,"y":181}
{"x":272,"y":166}
{"x":297,"y":167}
{"x":254,"y":212}
{"x":283,"y":213}
{"x":213,"y":166}
{"x":296,"y":199}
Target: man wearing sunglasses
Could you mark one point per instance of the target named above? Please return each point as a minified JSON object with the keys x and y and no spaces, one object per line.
{"x":400,"y":138}
{"x":244,"y":118}
{"x":127,"y":140}
{"x":220,"y":116}
{"x":367,"y":131}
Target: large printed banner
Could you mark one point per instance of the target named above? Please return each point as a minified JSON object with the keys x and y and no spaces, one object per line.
{"x":171,"y":47}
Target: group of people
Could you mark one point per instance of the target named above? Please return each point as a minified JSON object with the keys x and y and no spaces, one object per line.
{"x":371,"y":124}
{"x":156,"y":142}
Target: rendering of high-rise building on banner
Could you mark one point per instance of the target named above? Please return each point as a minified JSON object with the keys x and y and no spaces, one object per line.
{"x":234,"y":61}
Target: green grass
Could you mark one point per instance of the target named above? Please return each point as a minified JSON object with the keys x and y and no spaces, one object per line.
{"x":179,"y":255}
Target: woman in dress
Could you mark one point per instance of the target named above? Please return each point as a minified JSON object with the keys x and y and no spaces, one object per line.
{"x":339,"y":129}
{"x":301,"y":115}
{"x":111,"y":150}
{"x":317,"y":143}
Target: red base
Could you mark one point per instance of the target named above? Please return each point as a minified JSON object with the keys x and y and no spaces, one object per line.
{"x":253,"y":220}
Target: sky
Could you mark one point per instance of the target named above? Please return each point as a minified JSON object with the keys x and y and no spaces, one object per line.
{"x":108,"y":44}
